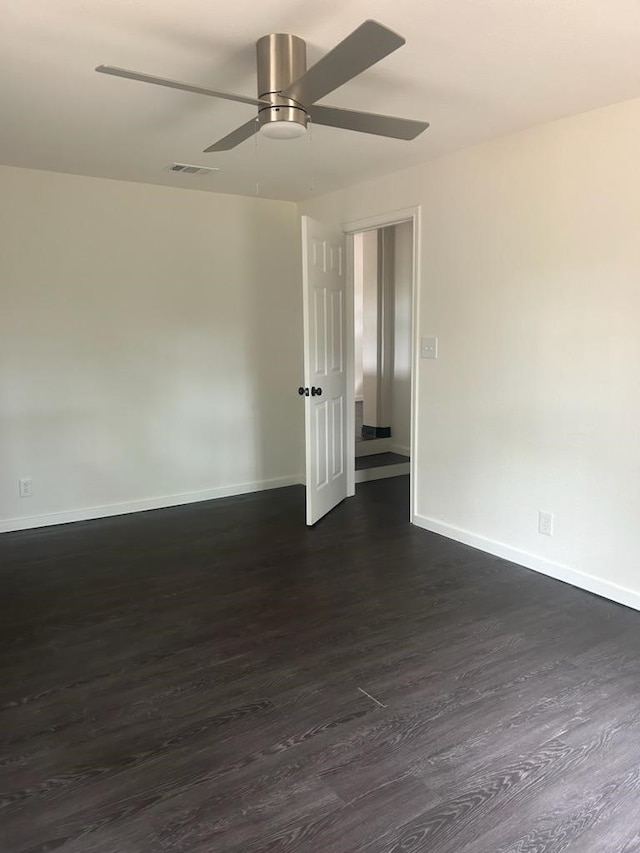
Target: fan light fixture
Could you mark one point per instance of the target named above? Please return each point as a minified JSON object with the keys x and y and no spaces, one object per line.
{"x":283,"y":130}
{"x":288,"y":91}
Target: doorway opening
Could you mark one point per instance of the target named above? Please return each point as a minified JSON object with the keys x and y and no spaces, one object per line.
{"x":382,"y":297}
{"x":329,"y":391}
{"x":394,"y":242}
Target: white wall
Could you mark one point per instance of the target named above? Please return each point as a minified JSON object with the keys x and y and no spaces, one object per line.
{"x":150,"y":345}
{"x":358,"y":306}
{"x":370,"y":320}
{"x":401,"y":389}
{"x":530,"y":277}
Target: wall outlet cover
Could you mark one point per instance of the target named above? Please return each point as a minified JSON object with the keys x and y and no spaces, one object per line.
{"x":25,"y":487}
{"x":545,"y":523}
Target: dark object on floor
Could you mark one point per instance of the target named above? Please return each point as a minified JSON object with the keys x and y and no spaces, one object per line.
{"x":369,"y":432}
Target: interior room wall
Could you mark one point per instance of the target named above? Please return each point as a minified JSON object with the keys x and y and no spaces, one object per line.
{"x":529,"y":278}
{"x":386,"y":299}
{"x":370,"y":320}
{"x":150,"y":346}
{"x":401,"y":388}
{"x":358,"y":305}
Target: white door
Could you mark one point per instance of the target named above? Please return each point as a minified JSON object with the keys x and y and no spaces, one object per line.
{"x":323,"y":278}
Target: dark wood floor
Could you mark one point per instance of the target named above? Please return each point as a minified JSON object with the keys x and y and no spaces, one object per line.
{"x":199,"y":679}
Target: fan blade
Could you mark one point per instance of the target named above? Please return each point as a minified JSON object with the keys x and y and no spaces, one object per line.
{"x":396,"y":128}
{"x":174,"y":84}
{"x":235,"y":137}
{"x":366,"y":45}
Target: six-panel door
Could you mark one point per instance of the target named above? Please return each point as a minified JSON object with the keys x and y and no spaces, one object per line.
{"x":325,"y":369}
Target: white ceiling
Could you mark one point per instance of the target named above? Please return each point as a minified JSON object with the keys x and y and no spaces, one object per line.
{"x":475,"y":69}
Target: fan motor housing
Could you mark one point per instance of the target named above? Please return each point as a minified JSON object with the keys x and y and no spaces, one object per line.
{"x":281,"y":59}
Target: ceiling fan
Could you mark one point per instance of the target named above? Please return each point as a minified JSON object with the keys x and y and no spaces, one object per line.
{"x":288,"y":91}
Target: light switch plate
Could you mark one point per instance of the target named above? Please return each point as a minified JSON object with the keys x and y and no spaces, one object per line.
{"x":428,"y":347}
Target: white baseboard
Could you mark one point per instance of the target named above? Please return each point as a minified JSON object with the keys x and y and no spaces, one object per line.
{"x":11,"y":524}
{"x":600,"y":587}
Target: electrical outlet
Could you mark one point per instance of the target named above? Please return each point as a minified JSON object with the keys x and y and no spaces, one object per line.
{"x":25,"y":487}
{"x":545,"y":523}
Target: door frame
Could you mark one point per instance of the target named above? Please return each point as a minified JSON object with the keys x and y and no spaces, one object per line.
{"x":373,"y":223}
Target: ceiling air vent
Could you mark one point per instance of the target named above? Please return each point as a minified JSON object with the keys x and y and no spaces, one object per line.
{"x":189,"y":169}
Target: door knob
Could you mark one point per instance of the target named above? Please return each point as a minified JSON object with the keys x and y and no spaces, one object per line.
{"x":316,"y":392}
{"x":304,"y":392}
